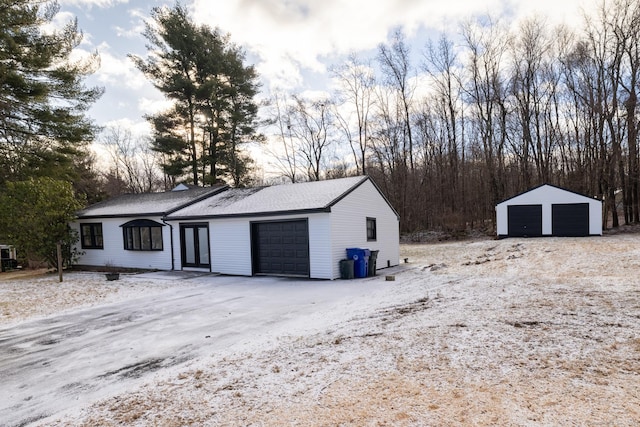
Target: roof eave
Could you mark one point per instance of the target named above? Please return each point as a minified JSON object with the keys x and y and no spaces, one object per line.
{"x":248,"y":214}
{"x":128,"y":215}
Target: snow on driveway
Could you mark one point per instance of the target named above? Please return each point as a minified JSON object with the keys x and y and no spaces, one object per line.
{"x":62,"y":361}
{"x":519,"y":332}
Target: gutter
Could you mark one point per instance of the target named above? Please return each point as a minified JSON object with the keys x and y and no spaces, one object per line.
{"x":173,"y":259}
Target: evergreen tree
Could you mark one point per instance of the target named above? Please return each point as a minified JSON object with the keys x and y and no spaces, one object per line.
{"x":214,"y":111}
{"x":42,"y":96}
{"x":34,"y":216}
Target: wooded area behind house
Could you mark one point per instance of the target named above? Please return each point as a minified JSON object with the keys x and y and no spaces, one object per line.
{"x":494,"y":113}
{"x":481,"y":113}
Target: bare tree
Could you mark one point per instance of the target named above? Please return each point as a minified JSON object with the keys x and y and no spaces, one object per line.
{"x":486,"y":94}
{"x":133,"y":163}
{"x":284,"y":148}
{"x":357,"y":85}
{"x":441,"y":64}
{"x":312,"y":126}
{"x":396,"y":67}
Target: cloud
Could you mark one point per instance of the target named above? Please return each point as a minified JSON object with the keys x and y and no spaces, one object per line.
{"x":58,"y":22}
{"x":569,"y":12}
{"x":288,"y":36}
{"x":91,"y":3}
{"x":139,"y":129}
{"x":154,"y":105}
{"x":137,"y":25}
{"x":118,"y":70}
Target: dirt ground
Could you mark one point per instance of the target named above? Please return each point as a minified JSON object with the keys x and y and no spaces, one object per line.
{"x":515,"y":332}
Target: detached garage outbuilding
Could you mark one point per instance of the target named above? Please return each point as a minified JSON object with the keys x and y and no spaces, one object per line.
{"x":548,"y":210}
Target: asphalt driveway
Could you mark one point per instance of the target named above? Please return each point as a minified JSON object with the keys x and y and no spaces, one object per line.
{"x":53,"y":364}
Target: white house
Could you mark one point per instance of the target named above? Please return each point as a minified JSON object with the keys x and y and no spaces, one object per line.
{"x":129,"y":231}
{"x":299,"y":229}
{"x":548,"y":210}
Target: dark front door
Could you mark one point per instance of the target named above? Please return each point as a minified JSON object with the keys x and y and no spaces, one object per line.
{"x":194,"y":244}
{"x":570,"y":220}
{"x":525,"y":220}
{"x":280,"y":248}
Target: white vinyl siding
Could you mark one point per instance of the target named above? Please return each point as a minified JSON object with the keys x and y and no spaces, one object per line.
{"x":320,"y":246}
{"x":231,"y":244}
{"x":330,"y":233}
{"x":113,"y":251}
{"x":349,"y":227}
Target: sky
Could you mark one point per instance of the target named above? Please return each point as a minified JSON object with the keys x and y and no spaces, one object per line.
{"x":290,"y":42}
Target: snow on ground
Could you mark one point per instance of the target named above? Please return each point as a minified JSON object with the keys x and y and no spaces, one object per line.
{"x":510,"y":332}
{"x":28,"y":295}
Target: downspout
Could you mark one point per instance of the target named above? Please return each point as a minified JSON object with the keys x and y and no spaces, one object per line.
{"x":173,"y":260}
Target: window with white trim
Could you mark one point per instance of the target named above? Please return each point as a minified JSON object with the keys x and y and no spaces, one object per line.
{"x":371,"y":230}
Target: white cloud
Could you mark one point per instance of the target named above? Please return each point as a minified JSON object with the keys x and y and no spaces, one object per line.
{"x":569,"y":12}
{"x":290,"y":35}
{"x":136,"y":27}
{"x":118,"y":70}
{"x":58,"y":22}
{"x":91,"y":3}
{"x":139,"y":129}
{"x":154,"y":105}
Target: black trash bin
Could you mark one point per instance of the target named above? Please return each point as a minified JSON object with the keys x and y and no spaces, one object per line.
{"x":373,"y":256}
{"x":346,"y":269}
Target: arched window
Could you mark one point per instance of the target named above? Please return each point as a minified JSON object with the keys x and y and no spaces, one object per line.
{"x":142,"y":235}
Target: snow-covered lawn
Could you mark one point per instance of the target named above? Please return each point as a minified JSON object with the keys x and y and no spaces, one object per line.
{"x":25,"y":296}
{"x":510,"y":332}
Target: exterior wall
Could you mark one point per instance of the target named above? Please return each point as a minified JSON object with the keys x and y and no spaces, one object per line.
{"x":230,"y":244}
{"x":113,"y":251}
{"x":548,"y":196}
{"x":348,"y":227}
{"x":330,"y":233}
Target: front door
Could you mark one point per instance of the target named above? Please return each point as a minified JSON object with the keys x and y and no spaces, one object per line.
{"x":194,"y":241}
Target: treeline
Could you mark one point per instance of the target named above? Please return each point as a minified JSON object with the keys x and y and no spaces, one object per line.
{"x":483,"y":116}
{"x":476,"y":116}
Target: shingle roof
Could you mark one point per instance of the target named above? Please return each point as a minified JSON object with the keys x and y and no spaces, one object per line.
{"x":306,"y":196}
{"x":148,"y":204}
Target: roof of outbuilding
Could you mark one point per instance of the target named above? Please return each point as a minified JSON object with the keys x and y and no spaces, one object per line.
{"x":286,"y":198}
{"x":148,"y":204}
{"x":547,"y":185}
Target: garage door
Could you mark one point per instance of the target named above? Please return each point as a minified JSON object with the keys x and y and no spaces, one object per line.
{"x":525,"y":220}
{"x":570,"y":220}
{"x":281,"y":248}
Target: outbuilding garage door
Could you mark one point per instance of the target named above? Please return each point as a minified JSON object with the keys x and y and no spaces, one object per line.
{"x":570,"y":220}
{"x":281,"y":248}
{"x":525,"y":220}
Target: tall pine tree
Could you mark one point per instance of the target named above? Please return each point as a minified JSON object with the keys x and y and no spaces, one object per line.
{"x":43,"y":100}
{"x":214,"y":111}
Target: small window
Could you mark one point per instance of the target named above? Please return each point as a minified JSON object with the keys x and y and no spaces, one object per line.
{"x":91,"y":236}
{"x":371,"y":229}
{"x":142,"y":235}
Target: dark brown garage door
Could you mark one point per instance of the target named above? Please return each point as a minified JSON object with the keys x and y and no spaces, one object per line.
{"x":570,"y":220}
{"x":525,"y":220}
{"x":281,"y":248}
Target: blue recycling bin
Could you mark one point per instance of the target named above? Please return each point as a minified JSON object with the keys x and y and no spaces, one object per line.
{"x":360,"y":258}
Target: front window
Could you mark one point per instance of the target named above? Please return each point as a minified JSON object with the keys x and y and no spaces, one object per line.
{"x":91,"y":236}
{"x":371,"y":229}
{"x":142,"y":235}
